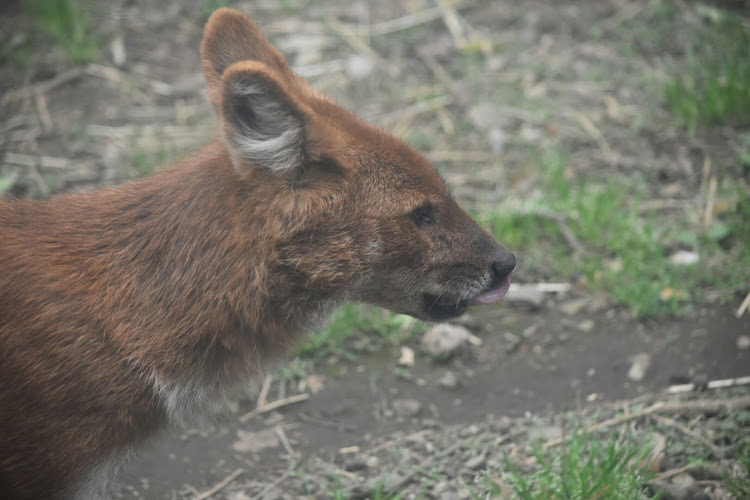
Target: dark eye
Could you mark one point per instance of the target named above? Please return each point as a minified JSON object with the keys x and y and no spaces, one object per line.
{"x":423,"y":216}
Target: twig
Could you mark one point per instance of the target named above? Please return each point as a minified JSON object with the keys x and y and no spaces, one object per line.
{"x":453,"y":23}
{"x":671,"y":407}
{"x":410,"y":20}
{"x":415,"y":109}
{"x":688,"y":432}
{"x":647,"y":205}
{"x":673,"y":472}
{"x":268,"y":488}
{"x":34,"y":161}
{"x":43,"y":87}
{"x":463,"y":156}
{"x":276,"y":404}
{"x":713,"y":384}
{"x":391,"y":442}
{"x":325,"y":423}
{"x":705,"y":406}
{"x":356,"y":43}
{"x":264,"y":392}
{"x":743,"y":307}
{"x":594,"y":132}
{"x":220,"y":486}
{"x":629,"y":11}
{"x":40,"y":103}
{"x":279,"y":430}
{"x":562,"y":224}
{"x":710,"y":197}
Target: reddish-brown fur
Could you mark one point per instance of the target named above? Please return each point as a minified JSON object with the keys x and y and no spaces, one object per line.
{"x":127,"y":310}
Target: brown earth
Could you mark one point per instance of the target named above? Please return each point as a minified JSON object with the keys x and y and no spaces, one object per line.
{"x":530,"y":74}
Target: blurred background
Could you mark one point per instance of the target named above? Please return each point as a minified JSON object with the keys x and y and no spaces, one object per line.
{"x":607,"y":143}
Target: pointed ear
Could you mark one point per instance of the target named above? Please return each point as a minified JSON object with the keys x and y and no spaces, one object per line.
{"x":264,"y":124}
{"x":230,"y":37}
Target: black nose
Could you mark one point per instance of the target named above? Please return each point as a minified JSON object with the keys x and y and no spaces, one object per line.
{"x":504,"y":264}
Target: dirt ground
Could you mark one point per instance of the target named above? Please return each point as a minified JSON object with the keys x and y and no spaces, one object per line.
{"x":581,"y":74}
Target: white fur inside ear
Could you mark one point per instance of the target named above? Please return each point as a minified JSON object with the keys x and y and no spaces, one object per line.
{"x":264,"y":130}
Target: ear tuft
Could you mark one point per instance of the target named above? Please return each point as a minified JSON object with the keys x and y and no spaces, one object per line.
{"x":263,"y":125}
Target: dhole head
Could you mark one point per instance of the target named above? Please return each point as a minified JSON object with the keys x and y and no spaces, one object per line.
{"x":353,"y":213}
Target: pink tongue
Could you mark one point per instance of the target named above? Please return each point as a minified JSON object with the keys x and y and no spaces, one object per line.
{"x":494,"y":295}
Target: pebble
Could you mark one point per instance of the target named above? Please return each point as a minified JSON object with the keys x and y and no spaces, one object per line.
{"x":512,"y":341}
{"x":586,"y":325}
{"x":639,"y":366}
{"x":743,"y":342}
{"x":444,"y":340}
{"x":407,"y":356}
{"x":681,"y":487}
{"x":573,"y":307}
{"x":476,"y":462}
{"x":117,"y":47}
{"x":406,"y":408}
{"x":448,"y":380}
{"x":359,"y":67}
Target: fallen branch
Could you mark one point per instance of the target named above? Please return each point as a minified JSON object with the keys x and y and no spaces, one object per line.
{"x":688,"y":432}
{"x":268,"y":488}
{"x":670,"y":407}
{"x":276,"y":404}
{"x":279,"y":431}
{"x":219,"y":486}
{"x":713,"y":384}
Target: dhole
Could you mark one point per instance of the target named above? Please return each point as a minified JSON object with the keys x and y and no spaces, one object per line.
{"x":134,"y":309}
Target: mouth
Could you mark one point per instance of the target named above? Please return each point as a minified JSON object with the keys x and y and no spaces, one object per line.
{"x":440,"y":308}
{"x":494,"y":293}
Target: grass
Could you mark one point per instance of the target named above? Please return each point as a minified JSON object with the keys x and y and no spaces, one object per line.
{"x":585,"y":467}
{"x":626,"y":250}
{"x":66,"y":24}
{"x":358,"y":328}
{"x":714,"y":86}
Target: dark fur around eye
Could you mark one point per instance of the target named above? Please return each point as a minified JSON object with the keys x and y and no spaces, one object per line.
{"x":423,"y":216}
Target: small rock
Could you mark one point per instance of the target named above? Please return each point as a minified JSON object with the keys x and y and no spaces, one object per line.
{"x":469,"y":322}
{"x":449,"y":495}
{"x":475,"y":462}
{"x":497,"y":139}
{"x":407,"y":356}
{"x":682,"y":487}
{"x":448,"y":380}
{"x":586,"y":325}
{"x":406,"y":408}
{"x":359,"y":67}
{"x":255,"y":441}
{"x":545,"y":433}
{"x":512,"y":341}
{"x":743,"y":342}
{"x":684,"y":258}
{"x":444,"y":340}
{"x":638,"y":367}
{"x":440,"y":488}
{"x":119,"y":56}
{"x":573,"y":307}
{"x":238,"y":495}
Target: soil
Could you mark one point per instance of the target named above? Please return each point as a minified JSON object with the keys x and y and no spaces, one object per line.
{"x":559,"y":367}
{"x":532,"y":73}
